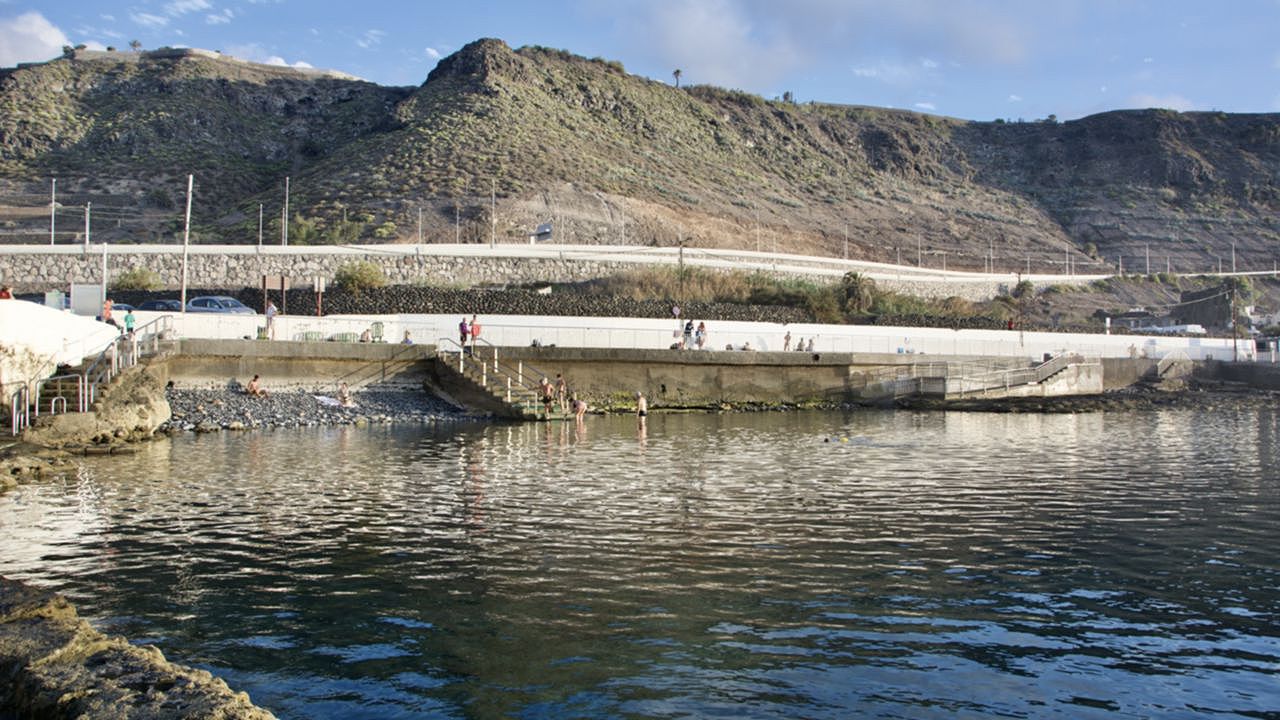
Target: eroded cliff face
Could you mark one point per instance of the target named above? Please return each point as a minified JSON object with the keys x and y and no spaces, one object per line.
{"x":54,"y":665}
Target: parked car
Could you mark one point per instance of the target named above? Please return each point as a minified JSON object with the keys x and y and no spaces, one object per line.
{"x":218,"y":304}
{"x":162,"y":305}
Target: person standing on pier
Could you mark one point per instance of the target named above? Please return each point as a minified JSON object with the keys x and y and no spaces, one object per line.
{"x":475,"y":331}
{"x":562,"y":393}
{"x":464,"y":331}
{"x":544,"y":393}
{"x":270,"y":312}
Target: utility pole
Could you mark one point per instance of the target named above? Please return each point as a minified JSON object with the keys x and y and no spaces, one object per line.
{"x":86,"y":225}
{"x":846,"y":241}
{"x":259,"y":224}
{"x":1148,"y":258}
{"x":1233,"y":257}
{"x":419,"y":224}
{"x":757,"y":209}
{"x":681,"y":265}
{"x":53,"y":205}
{"x":284,"y":225}
{"x":493,"y":212}
{"x":457,"y":223}
{"x":1235,"y":329}
{"x":104,"y":272}
{"x":919,"y":252}
{"x":186,"y":242}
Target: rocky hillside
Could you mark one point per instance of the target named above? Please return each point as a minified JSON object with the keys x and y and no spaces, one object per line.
{"x":541,"y":135}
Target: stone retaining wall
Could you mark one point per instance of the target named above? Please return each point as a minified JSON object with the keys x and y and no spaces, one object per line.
{"x":31,"y":269}
{"x":29,"y":272}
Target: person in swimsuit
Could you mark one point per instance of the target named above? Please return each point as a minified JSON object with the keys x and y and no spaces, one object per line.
{"x":254,"y":388}
{"x":545,"y":392}
{"x":562,"y":393}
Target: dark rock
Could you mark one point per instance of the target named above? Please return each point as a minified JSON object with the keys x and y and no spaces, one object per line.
{"x":55,"y":665}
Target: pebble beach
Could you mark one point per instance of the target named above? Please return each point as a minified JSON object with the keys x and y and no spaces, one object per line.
{"x":231,"y":409}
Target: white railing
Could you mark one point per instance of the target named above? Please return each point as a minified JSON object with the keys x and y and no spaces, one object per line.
{"x":123,"y":352}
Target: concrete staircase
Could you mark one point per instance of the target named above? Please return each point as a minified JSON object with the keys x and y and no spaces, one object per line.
{"x":477,"y":379}
{"x":75,"y":390}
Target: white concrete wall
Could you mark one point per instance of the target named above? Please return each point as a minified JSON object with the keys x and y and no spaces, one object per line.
{"x":518,"y":330}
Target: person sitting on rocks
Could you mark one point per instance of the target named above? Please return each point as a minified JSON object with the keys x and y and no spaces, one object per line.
{"x":254,"y":388}
{"x":366,"y":336}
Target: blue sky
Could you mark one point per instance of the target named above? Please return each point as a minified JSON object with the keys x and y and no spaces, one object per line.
{"x":974,"y":59}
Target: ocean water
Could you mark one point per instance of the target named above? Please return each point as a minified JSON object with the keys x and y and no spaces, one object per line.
{"x":778,"y":565}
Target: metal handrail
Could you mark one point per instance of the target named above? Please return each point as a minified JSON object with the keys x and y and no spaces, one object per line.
{"x":515,"y":376}
{"x":80,"y":392}
{"x":1169,"y":359}
{"x":521,"y":364}
{"x":122,"y":352}
{"x":19,"y":410}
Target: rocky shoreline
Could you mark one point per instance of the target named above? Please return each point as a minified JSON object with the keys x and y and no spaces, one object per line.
{"x":54,"y":665}
{"x":1182,"y":395}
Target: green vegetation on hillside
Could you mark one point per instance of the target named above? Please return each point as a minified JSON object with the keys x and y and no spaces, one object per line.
{"x":500,"y":140}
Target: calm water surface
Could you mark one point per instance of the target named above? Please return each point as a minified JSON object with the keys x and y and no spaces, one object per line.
{"x":877,"y":564}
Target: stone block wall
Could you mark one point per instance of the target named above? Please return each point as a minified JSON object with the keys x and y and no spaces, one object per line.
{"x":31,"y":269}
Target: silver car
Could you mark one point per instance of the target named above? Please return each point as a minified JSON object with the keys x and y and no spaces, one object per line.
{"x":218,"y":304}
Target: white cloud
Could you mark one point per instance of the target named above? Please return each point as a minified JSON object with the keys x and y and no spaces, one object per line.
{"x":148,"y":20}
{"x":1147,"y":60}
{"x":887,"y":72}
{"x":433,"y":53}
{"x":29,"y":37}
{"x":370,"y":38}
{"x":221,"y":18}
{"x":1015,"y":98}
{"x":1169,"y":102}
{"x":256,"y":53}
{"x":928,"y":106}
{"x":760,"y":45}
{"x":715,"y":42}
{"x":280,"y":62}
{"x":178,"y":8}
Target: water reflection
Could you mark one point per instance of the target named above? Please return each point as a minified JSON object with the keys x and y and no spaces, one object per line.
{"x":810,"y":564}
